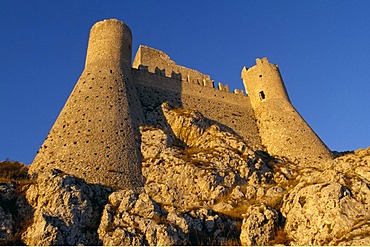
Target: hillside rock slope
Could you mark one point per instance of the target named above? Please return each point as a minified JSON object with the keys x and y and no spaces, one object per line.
{"x":204,"y":185}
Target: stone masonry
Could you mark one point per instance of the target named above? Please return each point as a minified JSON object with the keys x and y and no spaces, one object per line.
{"x":282,"y":130}
{"x":96,"y":135}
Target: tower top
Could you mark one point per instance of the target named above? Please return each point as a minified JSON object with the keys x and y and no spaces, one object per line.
{"x":263,"y":82}
{"x":110,"y":44}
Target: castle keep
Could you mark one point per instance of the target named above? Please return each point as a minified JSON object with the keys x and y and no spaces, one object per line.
{"x":96,"y":136}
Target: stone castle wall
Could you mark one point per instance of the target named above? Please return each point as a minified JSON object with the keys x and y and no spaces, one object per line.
{"x":157,"y":61}
{"x":159,"y":79}
{"x":96,"y":136}
{"x":233,"y":110}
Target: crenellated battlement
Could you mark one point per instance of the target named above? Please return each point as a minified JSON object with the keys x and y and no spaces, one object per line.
{"x":157,"y":62}
{"x":261,"y":61}
{"x":223,"y":87}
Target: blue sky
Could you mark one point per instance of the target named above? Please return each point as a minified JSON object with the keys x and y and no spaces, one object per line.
{"x":322,"y":49}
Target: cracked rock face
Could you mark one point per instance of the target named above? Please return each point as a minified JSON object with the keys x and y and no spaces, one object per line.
{"x":66,"y":210}
{"x":7,"y":223}
{"x":335,"y":212}
{"x":6,"y":227}
{"x":260,"y":225}
{"x":214,"y":163}
{"x":135,"y":219}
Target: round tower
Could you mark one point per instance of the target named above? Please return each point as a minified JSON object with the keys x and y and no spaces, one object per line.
{"x":282,"y":129}
{"x":265,"y":83}
{"x":95,"y":137}
{"x":110,"y":44}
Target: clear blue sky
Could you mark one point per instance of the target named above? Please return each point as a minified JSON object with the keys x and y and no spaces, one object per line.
{"x":322,"y":49}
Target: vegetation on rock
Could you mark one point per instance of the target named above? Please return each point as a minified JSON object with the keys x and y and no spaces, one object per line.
{"x":13,"y":171}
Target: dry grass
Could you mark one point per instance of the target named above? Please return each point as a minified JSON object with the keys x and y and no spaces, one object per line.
{"x":231,"y":242}
{"x":13,"y":171}
{"x":195,"y":150}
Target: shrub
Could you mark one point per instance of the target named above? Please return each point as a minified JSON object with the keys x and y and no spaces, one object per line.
{"x":13,"y":170}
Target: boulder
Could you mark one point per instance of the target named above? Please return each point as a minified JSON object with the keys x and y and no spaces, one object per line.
{"x":325,"y":214}
{"x":135,"y":219}
{"x":260,"y":225}
{"x":67,"y":210}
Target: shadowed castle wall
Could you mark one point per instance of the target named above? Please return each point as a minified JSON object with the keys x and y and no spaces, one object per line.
{"x":283,"y":131}
{"x":95,"y":136}
{"x":229,"y":109}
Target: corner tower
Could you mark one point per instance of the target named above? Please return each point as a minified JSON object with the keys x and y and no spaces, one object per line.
{"x":95,"y":136}
{"x":282,"y":129}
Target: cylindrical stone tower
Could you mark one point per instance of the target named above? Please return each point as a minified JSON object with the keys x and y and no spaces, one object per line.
{"x":110,"y":44}
{"x":96,"y":134}
{"x":282,"y":129}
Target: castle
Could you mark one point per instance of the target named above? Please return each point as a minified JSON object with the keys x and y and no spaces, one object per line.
{"x":96,"y":136}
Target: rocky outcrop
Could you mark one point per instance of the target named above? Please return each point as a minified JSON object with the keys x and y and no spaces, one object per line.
{"x":15,"y":213}
{"x":135,"y":219}
{"x":8,"y":195}
{"x":186,"y":179}
{"x":324,"y":214}
{"x":183,"y":179}
{"x":67,"y":210}
{"x":260,"y":225}
{"x":6,"y":227}
{"x":204,"y":186}
{"x":331,"y":207}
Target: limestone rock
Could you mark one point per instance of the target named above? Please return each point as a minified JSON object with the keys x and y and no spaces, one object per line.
{"x":324,"y":214}
{"x":7,"y":223}
{"x":200,"y":174}
{"x":66,"y":210}
{"x":135,"y":219}
{"x":153,"y":142}
{"x":8,"y":192}
{"x":214,"y":169}
{"x":7,"y":226}
{"x":260,"y":225}
{"x":187,"y":125}
{"x":191,"y":178}
{"x":15,"y":213}
{"x":363,"y":240}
